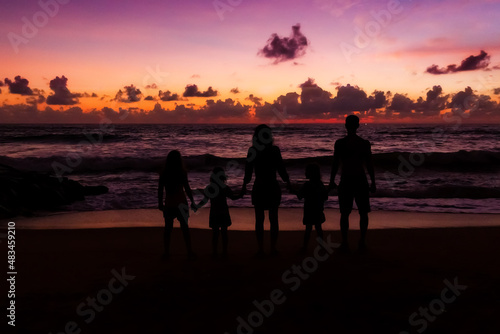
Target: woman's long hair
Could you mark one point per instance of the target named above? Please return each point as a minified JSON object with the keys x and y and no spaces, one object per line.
{"x":174,"y":171}
{"x":262,"y":137}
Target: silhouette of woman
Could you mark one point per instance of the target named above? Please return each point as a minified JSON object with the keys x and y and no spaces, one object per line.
{"x":265,"y":158}
{"x":174,"y":181}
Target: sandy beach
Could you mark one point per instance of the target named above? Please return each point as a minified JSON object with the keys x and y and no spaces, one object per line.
{"x":244,"y":219}
{"x":112,"y":280}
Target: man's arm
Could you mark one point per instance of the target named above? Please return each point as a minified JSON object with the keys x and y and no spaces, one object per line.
{"x":160,"y":193}
{"x":335,"y":167}
{"x":369,"y":168}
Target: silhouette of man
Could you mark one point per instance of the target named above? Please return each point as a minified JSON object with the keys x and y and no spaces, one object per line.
{"x":353,"y":154}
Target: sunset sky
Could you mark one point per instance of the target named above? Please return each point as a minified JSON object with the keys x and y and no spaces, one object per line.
{"x":329,"y":52}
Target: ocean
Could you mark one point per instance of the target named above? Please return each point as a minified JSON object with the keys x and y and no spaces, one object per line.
{"x":419,"y":168}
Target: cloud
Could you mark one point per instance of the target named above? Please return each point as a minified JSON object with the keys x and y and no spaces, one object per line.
{"x":85,"y":94}
{"x":288,"y":103}
{"x":195,"y":76}
{"x":152,"y":86}
{"x":19,"y":113}
{"x":285,"y":48}
{"x":192,"y":91}
{"x":254,"y":99}
{"x":352,"y":98}
{"x":462,"y":100}
{"x":19,"y":86}
{"x":35,"y":100}
{"x":401,"y":104}
{"x":149,"y":98}
{"x":312,"y":92}
{"x":470,"y":63}
{"x":223,"y":110}
{"x":235,"y":90}
{"x":434,"y":102}
{"x":62,"y":95}
{"x":168,"y":96}
{"x":316,"y":103}
{"x":482,"y":106}
{"x":496,"y":91}
{"x":313,"y":103}
{"x":130,"y":94}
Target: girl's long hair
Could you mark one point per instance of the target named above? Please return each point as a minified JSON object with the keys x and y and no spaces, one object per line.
{"x":174,"y":171}
{"x":218,"y":176}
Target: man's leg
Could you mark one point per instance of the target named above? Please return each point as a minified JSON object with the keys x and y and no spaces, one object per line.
{"x":344,"y":229}
{"x":215,"y":240}
{"x":363,"y":202}
{"x":223,"y":231}
{"x":319,"y":231}
{"x":346,"y":199}
{"x":363,"y":227}
{"x":307,"y":235}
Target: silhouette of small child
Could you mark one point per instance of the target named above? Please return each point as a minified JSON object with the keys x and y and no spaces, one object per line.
{"x":219,"y":219}
{"x":314,"y":194}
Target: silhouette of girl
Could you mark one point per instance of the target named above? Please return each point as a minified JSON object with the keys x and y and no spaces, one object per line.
{"x":265,"y":159}
{"x":174,"y":181}
{"x":219,"y":220}
{"x":314,"y":194}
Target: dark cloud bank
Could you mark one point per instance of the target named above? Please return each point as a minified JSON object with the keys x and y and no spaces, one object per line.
{"x":313,"y":103}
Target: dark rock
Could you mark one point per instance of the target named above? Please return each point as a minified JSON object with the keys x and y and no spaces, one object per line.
{"x":95,"y":190}
{"x":23,"y":192}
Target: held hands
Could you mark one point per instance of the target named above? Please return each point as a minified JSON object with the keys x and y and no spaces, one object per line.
{"x":332,"y":186}
{"x":160,"y":207}
{"x":243,"y":191}
{"x":194,"y":207}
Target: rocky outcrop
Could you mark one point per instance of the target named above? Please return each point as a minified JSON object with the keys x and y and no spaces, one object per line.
{"x":24,"y":192}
